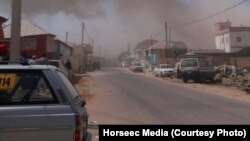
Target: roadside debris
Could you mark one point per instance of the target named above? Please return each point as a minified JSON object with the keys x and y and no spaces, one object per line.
{"x":233,"y":77}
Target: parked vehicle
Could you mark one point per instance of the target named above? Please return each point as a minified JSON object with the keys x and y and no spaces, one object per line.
{"x":125,"y":64}
{"x":228,"y":70}
{"x":196,"y":69}
{"x":164,"y":70}
{"x":177,"y":70}
{"x":39,"y":103}
{"x":136,"y":67}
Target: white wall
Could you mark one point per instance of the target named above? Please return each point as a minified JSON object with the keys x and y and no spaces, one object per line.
{"x":222,"y":42}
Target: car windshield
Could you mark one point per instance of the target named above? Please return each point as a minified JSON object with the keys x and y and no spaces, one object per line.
{"x":137,"y":65}
{"x":166,"y":66}
{"x":189,"y":63}
{"x":205,"y":63}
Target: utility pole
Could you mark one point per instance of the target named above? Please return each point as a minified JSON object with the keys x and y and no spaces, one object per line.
{"x":66,"y":39}
{"x":129,"y":52}
{"x":166,"y":28}
{"x":169,"y":37}
{"x":83,"y":52}
{"x":100,"y":49}
{"x":83,"y":27}
{"x":15,"y":40}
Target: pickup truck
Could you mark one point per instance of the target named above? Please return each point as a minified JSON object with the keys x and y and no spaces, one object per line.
{"x":39,"y":103}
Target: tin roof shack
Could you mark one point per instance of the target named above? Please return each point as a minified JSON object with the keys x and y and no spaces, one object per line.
{"x":160,"y":54}
{"x":34,"y":40}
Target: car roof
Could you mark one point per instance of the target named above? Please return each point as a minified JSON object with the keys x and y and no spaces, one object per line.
{"x":25,"y":67}
{"x":55,"y":60}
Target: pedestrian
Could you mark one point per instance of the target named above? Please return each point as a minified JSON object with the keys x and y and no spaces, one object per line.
{"x":23,"y":59}
{"x":43,"y":60}
{"x":32,"y":61}
{"x":69,"y":67}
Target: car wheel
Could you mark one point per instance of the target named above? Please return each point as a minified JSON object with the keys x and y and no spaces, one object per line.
{"x":197,"y":80}
{"x":185,"y":80}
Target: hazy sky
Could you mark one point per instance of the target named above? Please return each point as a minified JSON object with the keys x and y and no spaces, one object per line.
{"x":114,"y":23}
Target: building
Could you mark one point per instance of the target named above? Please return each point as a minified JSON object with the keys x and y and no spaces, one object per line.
{"x":160,"y":54}
{"x":140,"y":51}
{"x":62,"y":51}
{"x":231,"y":39}
{"x":34,"y":40}
{"x":82,"y":58}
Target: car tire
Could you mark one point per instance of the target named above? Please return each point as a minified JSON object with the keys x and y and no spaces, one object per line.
{"x":185,"y":80}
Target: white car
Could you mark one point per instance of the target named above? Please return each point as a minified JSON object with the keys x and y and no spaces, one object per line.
{"x":164,"y":70}
{"x":136,"y":67}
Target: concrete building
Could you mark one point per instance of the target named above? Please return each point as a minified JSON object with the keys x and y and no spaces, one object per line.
{"x":231,"y":39}
{"x":82,"y":58}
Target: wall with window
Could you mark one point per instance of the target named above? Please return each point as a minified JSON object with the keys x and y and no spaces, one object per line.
{"x":239,"y":40}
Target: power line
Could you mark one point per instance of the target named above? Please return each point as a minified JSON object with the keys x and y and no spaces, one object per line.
{"x":211,"y":16}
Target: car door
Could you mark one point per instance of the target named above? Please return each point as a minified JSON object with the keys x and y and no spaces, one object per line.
{"x":34,"y":111}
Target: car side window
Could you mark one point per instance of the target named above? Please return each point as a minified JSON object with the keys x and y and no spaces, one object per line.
{"x":189,"y":63}
{"x":28,"y":88}
{"x":71,"y":88}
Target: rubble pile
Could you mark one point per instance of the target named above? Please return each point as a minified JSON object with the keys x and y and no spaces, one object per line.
{"x":233,"y":77}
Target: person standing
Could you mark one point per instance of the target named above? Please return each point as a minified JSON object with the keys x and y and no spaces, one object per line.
{"x":69,"y":67}
{"x":32,"y":61}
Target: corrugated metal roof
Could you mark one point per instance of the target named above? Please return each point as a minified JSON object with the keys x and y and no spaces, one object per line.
{"x":159,"y":45}
{"x":27,"y":29}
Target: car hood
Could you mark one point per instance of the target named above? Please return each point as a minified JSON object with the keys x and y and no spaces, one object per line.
{"x":168,"y":69}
